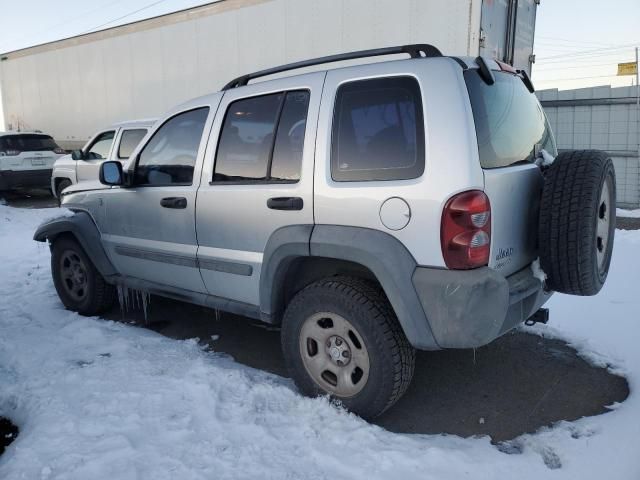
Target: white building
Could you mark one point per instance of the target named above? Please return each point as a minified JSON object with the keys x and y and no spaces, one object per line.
{"x":600,"y":118}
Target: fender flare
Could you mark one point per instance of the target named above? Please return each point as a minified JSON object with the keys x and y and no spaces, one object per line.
{"x":384,"y":255}
{"x":284,"y":246}
{"x":83,"y":228}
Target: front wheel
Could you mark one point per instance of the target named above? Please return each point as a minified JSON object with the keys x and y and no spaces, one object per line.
{"x":340,"y":337}
{"x":78,"y":283}
{"x":62,"y":184}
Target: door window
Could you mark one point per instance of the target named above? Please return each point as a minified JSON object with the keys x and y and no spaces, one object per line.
{"x":287,"y":152}
{"x":101,"y":146}
{"x":262,"y":139}
{"x":378,"y":130}
{"x":170,"y":156}
{"x":129,"y":140}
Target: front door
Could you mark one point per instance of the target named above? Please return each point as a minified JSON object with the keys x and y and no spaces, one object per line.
{"x":257,"y":180}
{"x":98,"y":151}
{"x":150,"y":231}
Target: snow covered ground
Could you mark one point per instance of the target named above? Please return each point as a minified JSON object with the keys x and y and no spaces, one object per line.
{"x":628,"y":213}
{"x":97,"y":399}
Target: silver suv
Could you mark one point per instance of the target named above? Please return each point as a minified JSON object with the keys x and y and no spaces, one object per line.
{"x":369,"y":211}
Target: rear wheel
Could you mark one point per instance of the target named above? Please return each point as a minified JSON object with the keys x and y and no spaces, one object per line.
{"x":340,"y":337}
{"x":79,"y":285}
{"x":577,"y":221}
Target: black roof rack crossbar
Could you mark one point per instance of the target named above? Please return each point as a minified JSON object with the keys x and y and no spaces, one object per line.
{"x":415,"y":51}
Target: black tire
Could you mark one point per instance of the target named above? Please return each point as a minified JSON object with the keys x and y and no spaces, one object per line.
{"x":96,"y":296}
{"x":391,"y":357}
{"x":574,"y":254}
{"x":62,"y":184}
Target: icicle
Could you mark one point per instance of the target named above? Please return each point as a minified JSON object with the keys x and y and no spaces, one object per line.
{"x":120,"y":297}
{"x":145,"y":302}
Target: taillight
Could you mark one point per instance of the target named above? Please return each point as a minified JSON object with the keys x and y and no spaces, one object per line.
{"x":11,"y":152}
{"x":59,"y":151}
{"x":465,"y":231}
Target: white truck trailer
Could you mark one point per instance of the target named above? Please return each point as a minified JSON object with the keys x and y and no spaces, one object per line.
{"x":71,"y":87}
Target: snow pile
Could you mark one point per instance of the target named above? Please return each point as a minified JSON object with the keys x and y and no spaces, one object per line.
{"x":538,"y":272}
{"x":545,"y":159}
{"x":96,"y":399}
{"x":628,"y":213}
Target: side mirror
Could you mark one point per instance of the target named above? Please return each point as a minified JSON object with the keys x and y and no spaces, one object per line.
{"x":111,"y":173}
{"x":77,"y":155}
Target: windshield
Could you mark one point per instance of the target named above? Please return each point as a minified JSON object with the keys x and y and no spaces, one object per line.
{"x":509,"y":120}
{"x":27,"y":143}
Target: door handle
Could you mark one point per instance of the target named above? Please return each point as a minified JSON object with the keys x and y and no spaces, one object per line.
{"x":285,"y":203}
{"x":174,"y":202}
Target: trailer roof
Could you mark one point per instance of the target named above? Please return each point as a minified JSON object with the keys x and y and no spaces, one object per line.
{"x":211,"y":8}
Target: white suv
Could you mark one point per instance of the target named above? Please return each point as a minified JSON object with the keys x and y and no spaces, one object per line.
{"x":369,"y":211}
{"x":26,"y":159}
{"x":116,"y":142}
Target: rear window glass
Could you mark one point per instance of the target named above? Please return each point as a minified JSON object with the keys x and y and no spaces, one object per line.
{"x":378,"y":130}
{"x":509,"y":121}
{"x":129,"y":141}
{"x":27,"y":143}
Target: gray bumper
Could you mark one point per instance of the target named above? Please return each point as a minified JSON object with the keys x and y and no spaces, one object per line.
{"x":25,"y":178}
{"x":471,"y":308}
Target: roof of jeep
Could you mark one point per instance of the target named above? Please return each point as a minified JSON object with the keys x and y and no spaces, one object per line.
{"x":467,"y":63}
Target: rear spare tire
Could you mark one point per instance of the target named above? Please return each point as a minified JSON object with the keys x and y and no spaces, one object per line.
{"x":577,"y":221}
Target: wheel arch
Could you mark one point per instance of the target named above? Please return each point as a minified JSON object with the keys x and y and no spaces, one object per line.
{"x":298,"y":255}
{"x":83,"y":229}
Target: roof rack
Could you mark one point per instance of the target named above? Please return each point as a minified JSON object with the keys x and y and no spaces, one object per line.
{"x":415,"y":51}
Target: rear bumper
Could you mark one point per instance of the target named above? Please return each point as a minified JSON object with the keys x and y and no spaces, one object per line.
{"x":471,"y":308}
{"x":25,"y":178}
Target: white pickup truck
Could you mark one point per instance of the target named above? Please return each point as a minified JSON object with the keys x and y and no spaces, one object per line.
{"x":113,"y":143}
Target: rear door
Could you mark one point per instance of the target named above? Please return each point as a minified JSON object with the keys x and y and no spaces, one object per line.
{"x":127,"y":141}
{"x":511,"y":129}
{"x":257,"y":179}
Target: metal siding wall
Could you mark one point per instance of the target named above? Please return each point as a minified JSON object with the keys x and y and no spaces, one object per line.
{"x":613,"y":128}
{"x":74,"y":90}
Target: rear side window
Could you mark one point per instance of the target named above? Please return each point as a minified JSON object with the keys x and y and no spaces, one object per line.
{"x":509,"y":121}
{"x":262,"y":139}
{"x":129,"y":140}
{"x":378,"y":130}
{"x":170,"y":156}
{"x":27,"y":143}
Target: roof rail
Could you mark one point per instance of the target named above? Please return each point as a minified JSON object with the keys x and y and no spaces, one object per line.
{"x":415,"y":51}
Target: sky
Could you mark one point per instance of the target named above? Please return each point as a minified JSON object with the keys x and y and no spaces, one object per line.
{"x":578,"y":42}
